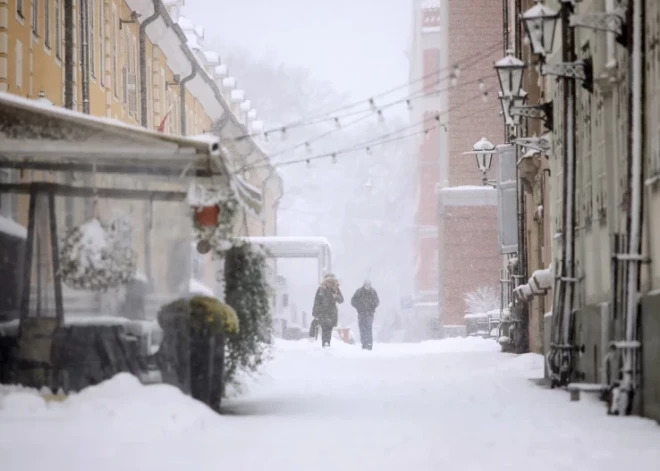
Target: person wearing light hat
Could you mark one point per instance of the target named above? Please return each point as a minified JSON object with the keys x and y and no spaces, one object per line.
{"x":325,"y":313}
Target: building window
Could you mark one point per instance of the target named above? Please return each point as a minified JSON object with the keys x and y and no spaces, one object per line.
{"x":47,"y":23}
{"x":90,"y":39}
{"x":19,"y":64}
{"x":58,"y":29}
{"x":102,"y":41}
{"x":35,"y":17}
{"x":115,"y":83}
{"x":19,"y":8}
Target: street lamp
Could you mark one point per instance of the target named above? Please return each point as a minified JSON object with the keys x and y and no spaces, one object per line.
{"x":483,"y":151}
{"x":540,"y":23}
{"x":510,"y":74}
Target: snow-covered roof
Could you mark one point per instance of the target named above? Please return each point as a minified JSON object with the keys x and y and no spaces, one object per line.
{"x":237,"y":96}
{"x":10,"y":227}
{"x":53,"y":133}
{"x":221,"y":70}
{"x":229,"y":83}
{"x":211,"y":57}
{"x":292,"y":246}
{"x":185,"y":23}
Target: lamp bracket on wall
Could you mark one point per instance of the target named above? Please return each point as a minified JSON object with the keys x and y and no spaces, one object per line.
{"x":542,"y":112}
{"x":578,"y":70}
{"x":610,"y":22}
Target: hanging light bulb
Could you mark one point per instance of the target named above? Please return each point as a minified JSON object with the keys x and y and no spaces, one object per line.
{"x":409,"y":104}
{"x":381,"y":117}
{"x":437,"y":120}
{"x":457,"y":70}
{"x":337,"y":123}
{"x":369,"y":151}
{"x":266,"y":139}
{"x":482,"y":86}
{"x":427,"y":134}
{"x":372,"y":104}
{"x":334,"y":158}
{"x":484,"y":96}
{"x":308,"y":163}
{"x":454,"y":79}
{"x":284,"y":134}
{"x":308,"y":147}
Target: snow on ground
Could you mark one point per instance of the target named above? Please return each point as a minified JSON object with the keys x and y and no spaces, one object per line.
{"x":454,"y":404}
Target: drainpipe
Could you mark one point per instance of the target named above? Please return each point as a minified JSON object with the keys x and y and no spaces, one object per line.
{"x":182,"y":91}
{"x":69,"y":62}
{"x":630,"y":346}
{"x":142,"y":37}
{"x":84,"y":53}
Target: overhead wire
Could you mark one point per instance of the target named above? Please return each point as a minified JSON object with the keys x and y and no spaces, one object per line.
{"x":328,"y":116}
{"x":369,"y":114}
{"x":378,"y":141}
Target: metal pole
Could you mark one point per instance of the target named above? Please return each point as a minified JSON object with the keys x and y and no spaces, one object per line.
{"x":568,"y":270}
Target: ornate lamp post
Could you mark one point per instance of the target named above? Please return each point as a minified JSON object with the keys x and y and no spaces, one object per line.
{"x":483,"y":151}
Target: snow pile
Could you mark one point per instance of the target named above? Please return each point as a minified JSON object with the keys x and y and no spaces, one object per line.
{"x":528,"y":365}
{"x":199,"y":288}
{"x":120,"y":408}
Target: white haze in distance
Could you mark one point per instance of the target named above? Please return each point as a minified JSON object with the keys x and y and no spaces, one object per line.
{"x":293,"y":56}
{"x":358,"y":46}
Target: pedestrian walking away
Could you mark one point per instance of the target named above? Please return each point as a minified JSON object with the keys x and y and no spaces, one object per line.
{"x":365,"y":300}
{"x":328,"y":295}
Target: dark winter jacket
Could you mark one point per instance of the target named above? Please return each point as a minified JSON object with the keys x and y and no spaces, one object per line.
{"x":325,"y":303}
{"x":365,"y":300}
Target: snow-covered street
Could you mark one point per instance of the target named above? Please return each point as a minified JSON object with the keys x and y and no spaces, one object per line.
{"x":456,"y":404}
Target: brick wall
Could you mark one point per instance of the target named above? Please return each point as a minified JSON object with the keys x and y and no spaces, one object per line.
{"x":469,"y":233}
{"x":471,"y":256}
{"x":474,"y":29}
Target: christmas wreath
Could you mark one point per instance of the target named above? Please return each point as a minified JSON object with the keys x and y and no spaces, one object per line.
{"x":97,"y":257}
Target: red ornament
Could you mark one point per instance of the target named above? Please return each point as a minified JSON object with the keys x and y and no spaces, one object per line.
{"x":207,"y":216}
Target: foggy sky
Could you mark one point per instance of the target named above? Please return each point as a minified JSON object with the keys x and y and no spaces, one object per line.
{"x":358,"y":46}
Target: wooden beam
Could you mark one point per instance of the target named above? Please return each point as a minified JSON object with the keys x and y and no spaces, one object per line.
{"x":59,"y":189}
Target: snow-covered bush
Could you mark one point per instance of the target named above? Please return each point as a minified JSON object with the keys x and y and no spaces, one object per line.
{"x":248,"y":293}
{"x":482,"y":299}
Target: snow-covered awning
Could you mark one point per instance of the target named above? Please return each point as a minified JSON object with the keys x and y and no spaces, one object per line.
{"x":292,"y":247}
{"x":52,"y":138}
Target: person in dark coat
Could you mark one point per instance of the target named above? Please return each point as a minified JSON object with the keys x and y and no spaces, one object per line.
{"x":365,"y":300}
{"x":328,"y":295}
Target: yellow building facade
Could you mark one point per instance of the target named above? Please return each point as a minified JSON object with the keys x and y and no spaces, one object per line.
{"x":32,"y":64}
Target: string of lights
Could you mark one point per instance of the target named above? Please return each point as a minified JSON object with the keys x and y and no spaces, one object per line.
{"x":366,"y":115}
{"x":334,"y":116}
{"x":369,"y":145}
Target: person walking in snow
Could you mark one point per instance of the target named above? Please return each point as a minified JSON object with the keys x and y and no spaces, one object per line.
{"x":365,"y":300}
{"x":328,"y":295}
